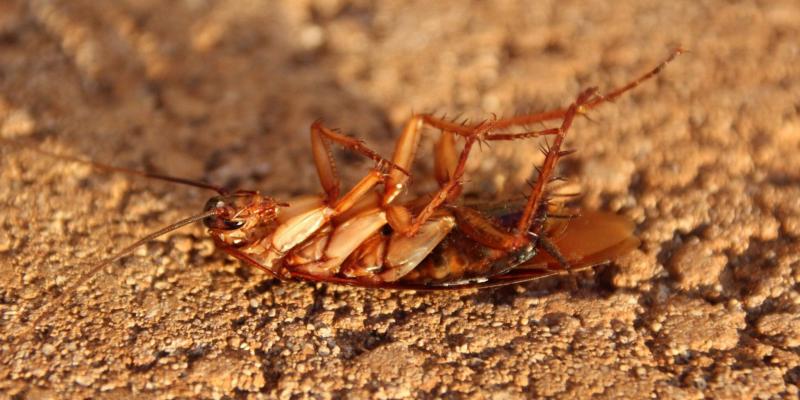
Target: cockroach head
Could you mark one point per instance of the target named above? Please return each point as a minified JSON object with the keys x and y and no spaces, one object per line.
{"x":240,"y":210}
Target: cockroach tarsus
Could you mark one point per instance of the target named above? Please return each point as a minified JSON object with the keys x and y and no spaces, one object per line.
{"x":369,"y":237}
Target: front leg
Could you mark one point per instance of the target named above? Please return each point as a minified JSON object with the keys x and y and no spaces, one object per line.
{"x":326,"y":167}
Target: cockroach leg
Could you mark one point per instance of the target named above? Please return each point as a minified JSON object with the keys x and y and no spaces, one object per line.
{"x":326,"y":167}
{"x":610,"y":96}
{"x":404,"y":152}
{"x":479,"y":228}
{"x":444,"y":125}
{"x":445,"y":157}
{"x":246,"y":259}
{"x":363,"y":187}
{"x":519,"y":135}
{"x":549,"y":165}
{"x":614,"y":94}
{"x":410,"y":226}
{"x":551,"y":249}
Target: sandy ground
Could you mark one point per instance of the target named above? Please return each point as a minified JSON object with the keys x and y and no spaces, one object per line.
{"x":704,"y":158}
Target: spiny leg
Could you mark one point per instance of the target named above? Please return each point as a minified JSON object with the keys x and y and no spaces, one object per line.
{"x":479,"y":228}
{"x":400,"y":218}
{"x":323,"y":159}
{"x":448,"y":168}
{"x":409,"y":141}
{"x":487,"y":127}
{"x":528,"y":119}
{"x":410,"y":138}
{"x":548,"y":167}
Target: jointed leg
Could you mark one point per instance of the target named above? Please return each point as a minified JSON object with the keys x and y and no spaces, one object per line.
{"x":528,"y":119}
{"x":449,"y":169}
{"x":449,"y":174}
{"x":358,"y":191}
{"x":477,"y":226}
{"x":323,"y":160}
{"x":548,"y":167}
{"x":407,"y":145}
{"x":404,"y":152}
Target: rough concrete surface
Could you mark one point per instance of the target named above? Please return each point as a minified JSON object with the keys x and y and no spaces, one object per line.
{"x":705,"y":158}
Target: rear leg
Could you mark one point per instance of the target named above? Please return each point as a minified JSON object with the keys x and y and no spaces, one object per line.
{"x":478,"y":227}
{"x":552,"y":156}
{"x":406,"y":147}
{"x":450,"y":172}
{"x":586,"y":101}
{"x":610,"y":96}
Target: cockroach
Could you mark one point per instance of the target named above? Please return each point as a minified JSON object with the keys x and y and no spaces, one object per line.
{"x":370,"y":238}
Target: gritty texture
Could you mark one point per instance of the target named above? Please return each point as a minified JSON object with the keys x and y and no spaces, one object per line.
{"x":704,"y":159}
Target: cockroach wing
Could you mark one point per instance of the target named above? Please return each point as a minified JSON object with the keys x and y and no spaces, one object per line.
{"x":590,"y":239}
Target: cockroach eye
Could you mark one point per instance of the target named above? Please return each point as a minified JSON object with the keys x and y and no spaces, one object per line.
{"x":217,"y":221}
{"x":212,"y":203}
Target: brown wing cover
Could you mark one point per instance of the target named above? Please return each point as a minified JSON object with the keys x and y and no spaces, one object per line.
{"x":592,"y":238}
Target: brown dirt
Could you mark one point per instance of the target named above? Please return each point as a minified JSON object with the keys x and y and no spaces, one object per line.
{"x":704,"y":159}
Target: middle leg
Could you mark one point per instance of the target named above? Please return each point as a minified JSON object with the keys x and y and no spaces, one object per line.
{"x":478,"y":227}
{"x":449,"y":168}
{"x":446,"y":157}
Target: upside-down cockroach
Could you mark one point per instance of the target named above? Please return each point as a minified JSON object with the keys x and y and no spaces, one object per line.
{"x":371,"y":237}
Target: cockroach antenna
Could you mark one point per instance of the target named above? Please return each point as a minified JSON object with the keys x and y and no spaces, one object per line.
{"x":110,"y":168}
{"x":88,"y":274}
{"x":83,"y":277}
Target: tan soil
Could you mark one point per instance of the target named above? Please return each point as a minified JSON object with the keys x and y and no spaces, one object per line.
{"x":704,"y":158}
